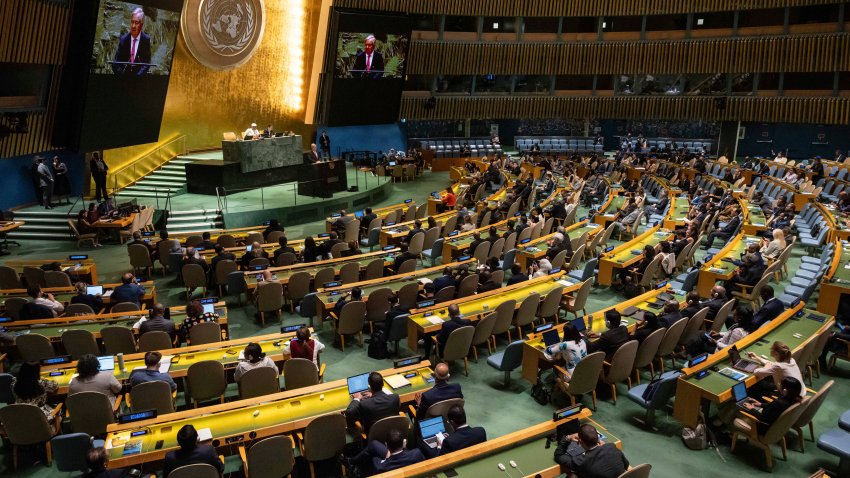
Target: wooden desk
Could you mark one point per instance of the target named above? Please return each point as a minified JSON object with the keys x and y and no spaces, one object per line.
{"x":836,"y":281}
{"x":609,"y":211}
{"x":680,"y":208}
{"x":629,"y":253}
{"x":283,"y":273}
{"x":754,"y":220}
{"x":720,"y":266}
{"x":380,"y":212}
{"x":526,"y":448}
{"x":794,"y":331}
{"x":239,"y":421}
{"x":456,"y":245}
{"x":226,"y":352}
{"x":457,"y":189}
{"x":536,"y":249}
{"x":430,"y":320}
{"x":116,"y":223}
{"x":395,"y":234}
{"x":84,"y":270}
{"x":533,"y":348}
{"x":64,"y":294}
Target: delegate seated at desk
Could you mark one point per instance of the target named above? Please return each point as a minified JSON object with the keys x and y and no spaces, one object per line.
{"x":370,"y":406}
{"x":191,"y":452}
{"x":586,"y":455}
{"x":252,"y":132}
{"x":464,"y":436}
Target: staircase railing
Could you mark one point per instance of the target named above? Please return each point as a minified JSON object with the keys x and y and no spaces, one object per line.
{"x":131,"y":173}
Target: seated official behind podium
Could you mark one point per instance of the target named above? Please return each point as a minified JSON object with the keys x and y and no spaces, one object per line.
{"x":584,"y":454}
{"x":191,"y":452}
{"x":464,"y":436}
{"x":312,"y":156}
{"x":252,"y":132}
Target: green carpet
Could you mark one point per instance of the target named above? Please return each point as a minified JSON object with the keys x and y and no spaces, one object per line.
{"x":489,"y":404}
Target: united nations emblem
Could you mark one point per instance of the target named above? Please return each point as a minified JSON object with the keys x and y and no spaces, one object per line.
{"x":223,"y":34}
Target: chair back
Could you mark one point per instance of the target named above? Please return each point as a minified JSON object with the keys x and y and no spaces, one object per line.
{"x":458,"y":343}
{"x":398,"y":328}
{"x":57,"y":279}
{"x":431,"y":236}
{"x":445,"y":294}
{"x":196,"y":470}
{"x":351,"y":318}
{"x":497,"y":248}
{"x":154,"y":395}
{"x":33,"y":276}
{"x":269,"y":296}
{"x":206,"y":380}
{"x":441,"y":408}
{"x":164,"y":248}
{"x":575,"y":260}
{"x":25,"y":424}
{"x":226,"y":240}
{"x":298,"y":286}
{"x":154,"y":340}
{"x":79,"y":309}
{"x":648,"y":348}
{"x":586,"y":374}
{"x":484,"y":329}
{"x":286,"y":259}
{"x":324,"y":437}
{"x":527,"y":309}
{"x":299,"y":373}
{"x":640,"y":471}
{"x":510,"y":242}
{"x":468,"y":286}
{"x":524,"y":234}
{"x":722,"y":315}
{"x":127,"y":306}
{"x":223,"y":269}
{"x":69,"y":451}
{"x":34,"y":347}
{"x":551,"y":303}
{"x":812,"y":405}
{"x":349,"y":273}
{"x":259,"y":261}
{"x":583,"y":294}
{"x":504,"y":316}
{"x":377,"y":304}
{"x":671,"y":338}
{"x":91,"y":412}
{"x":193,"y":275}
{"x":79,"y":342}
{"x":380,"y":429}
{"x":408,"y":294}
{"x":651,"y":272}
{"x":193,"y":240}
{"x":14,"y":305}
{"x":693,"y":326}
{"x":417,"y":243}
{"x":273,"y":237}
{"x":449,"y":226}
{"x":622,"y":363}
{"x":780,"y":427}
{"x":337,"y":249}
{"x":140,"y":256}
{"x":258,"y":382}
{"x":9,"y":278}
{"x":205,"y":333}
{"x":374,"y":269}
{"x":273,"y":457}
{"x":558,"y":260}
{"x":512,"y":357}
{"x":253,"y":237}
{"x":407,"y":267}
{"x":236,"y":284}
{"x":481,"y":252}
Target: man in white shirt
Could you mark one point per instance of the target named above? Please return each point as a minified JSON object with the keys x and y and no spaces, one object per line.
{"x":783,"y":365}
{"x":46,"y":300}
{"x":252,"y":132}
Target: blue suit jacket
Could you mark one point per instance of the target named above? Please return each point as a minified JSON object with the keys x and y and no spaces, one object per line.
{"x":405,"y":458}
{"x":441,"y":391}
{"x":443,"y":281}
{"x":769,"y":311}
{"x":463,"y":438}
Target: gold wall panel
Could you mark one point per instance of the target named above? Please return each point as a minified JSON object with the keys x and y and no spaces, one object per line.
{"x":773,"y":110}
{"x":202,"y":103}
{"x":28,"y":33}
{"x":809,"y":53}
{"x":567,"y":8}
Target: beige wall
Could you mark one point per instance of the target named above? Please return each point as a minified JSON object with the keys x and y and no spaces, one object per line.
{"x":202,"y":103}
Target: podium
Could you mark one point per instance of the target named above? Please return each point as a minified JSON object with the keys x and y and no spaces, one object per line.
{"x":322,"y":179}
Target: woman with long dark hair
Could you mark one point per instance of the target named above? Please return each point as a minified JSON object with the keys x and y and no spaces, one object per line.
{"x":31,"y":389}
{"x":304,"y":346}
{"x":310,"y":253}
{"x":91,"y":379}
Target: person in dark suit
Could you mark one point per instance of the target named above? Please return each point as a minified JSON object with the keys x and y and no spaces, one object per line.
{"x":312,"y":156}
{"x":83,"y":297}
{"x":192,"y":257}
{"x":220,"y":255}
{"x":417,"y":228}
{"x":648,"y":325}
{"x":353,"y":295}
{"x":97,"y":459}
{"x":444,"y":280}
{"x":402,"y":257}
{"x":325,"y":143}
{"x":158,"y":322}
{"x":476,"y":241}
{"x":388,"y":456}
{"x":747,"y":274}
{"x":464,"y":436}
{"x":584,"y":454}
{"x":670,"y":314}
{"x":191,"y":452}
{"x":487,"y":283}
{"x":613,"y":338}
{"x":517,"y":275}
{"x":714,"y":303}
{"x":284,"y":248}
{"x":98,"y":169}
{"x":369,"y":63}
{"x":133,"y":47}
{"x":368,"y":217}
{"x":723,"y":233}
{"x":395,"y":310}
{"x":128,"y":291}
{"x":206,"y":243}
{"x":658,"y":208}
{"x":442,"y":390}
{"x":373,"y":405}
{"x":770,"y":310}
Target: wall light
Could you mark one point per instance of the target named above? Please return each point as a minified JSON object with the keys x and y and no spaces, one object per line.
{"x":495,"y":25}
{"x":292,"y":36}
{"x":700,"y":21}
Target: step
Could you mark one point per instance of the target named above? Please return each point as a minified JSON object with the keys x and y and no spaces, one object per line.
{"x":160,"y":183}
{"x":56,"y":227}
{"x":198,"y":218}
{"x":173,"y":167}
{"x":191,"y":226}
{"x":181,"y":161}
{"x":150,"y":188}
{"x":194,"y":211}
{"x":42,"y":214}
{"x":138,"y":194}
{"x":19,"y":234}
{"x":40,"y":221}
{"x":168,"y":173}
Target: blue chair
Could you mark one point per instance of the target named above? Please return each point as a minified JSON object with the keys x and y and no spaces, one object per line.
{"x":398,"y":331}
{"x":508,"y":260}
{"x":665,"y":390}
{"x":844,"y":421}
{"x":435,"y":252}
{"x":70,"y":450}
{"x":588,"y":271}
{"x":837,"y":442}
{"x":373,"y":239}
{"x":307,"y":307}
{"x":507,"y":360}
{"x":686,"y":281}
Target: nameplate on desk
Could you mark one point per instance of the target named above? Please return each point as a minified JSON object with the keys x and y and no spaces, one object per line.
{"x":542,"y":328}
{"x":137,"y":416}
{"x":407,"y":361}
{"x":463,"y":258}
{"x":566,"y":412}
{"x":389,"y":248}
{"x":324,"y":235}
{"x":286,"y":329}
{"x":408,"y":201}
{"x":56,"y":360}
{"x":425,"y":303}
{"x":209,"y":300}
{"x":80,"y":257}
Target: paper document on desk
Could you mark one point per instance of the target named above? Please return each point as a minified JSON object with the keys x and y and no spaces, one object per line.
{"x":204,"y":434}
{"x":107,"y":293}
{"x":434,"y":320}
{"x":165,"y":364}
{"x":397,"y":381}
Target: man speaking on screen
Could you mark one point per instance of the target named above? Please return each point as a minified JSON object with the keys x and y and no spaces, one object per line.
{"x":134,"y":48}
{"x":369,"y":63}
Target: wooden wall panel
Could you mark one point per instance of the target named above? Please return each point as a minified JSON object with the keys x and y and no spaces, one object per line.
{"x":567,"y":8}
{"x":36,"y":32}
{"x":809,"y":53}
{"x":780,"y":110}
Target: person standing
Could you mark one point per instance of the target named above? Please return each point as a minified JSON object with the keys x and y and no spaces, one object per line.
{"x":36,"y":184}
{"x":98,"y":169}
{"x":62,"y":186}
{"x":325,"y":144}
{"x":45,"y":183}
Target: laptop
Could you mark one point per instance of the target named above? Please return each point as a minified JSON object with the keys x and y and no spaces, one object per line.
{"x":209,"y":308}
{"x":436,"y":195}
{"x":738,"y":363}
{"x":551,"y":337}
{"x":94,"y":290}
{"x":430,"y":428}
{"x":579,"y":324}
{"x":739,"y":394}
{"x":107,"y":362}
{"x":358,"y":383}
{"x":358,"y":214}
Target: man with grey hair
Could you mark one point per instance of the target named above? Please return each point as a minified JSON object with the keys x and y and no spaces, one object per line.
{"x":133,"y":56}
{"x":369,"y":63}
